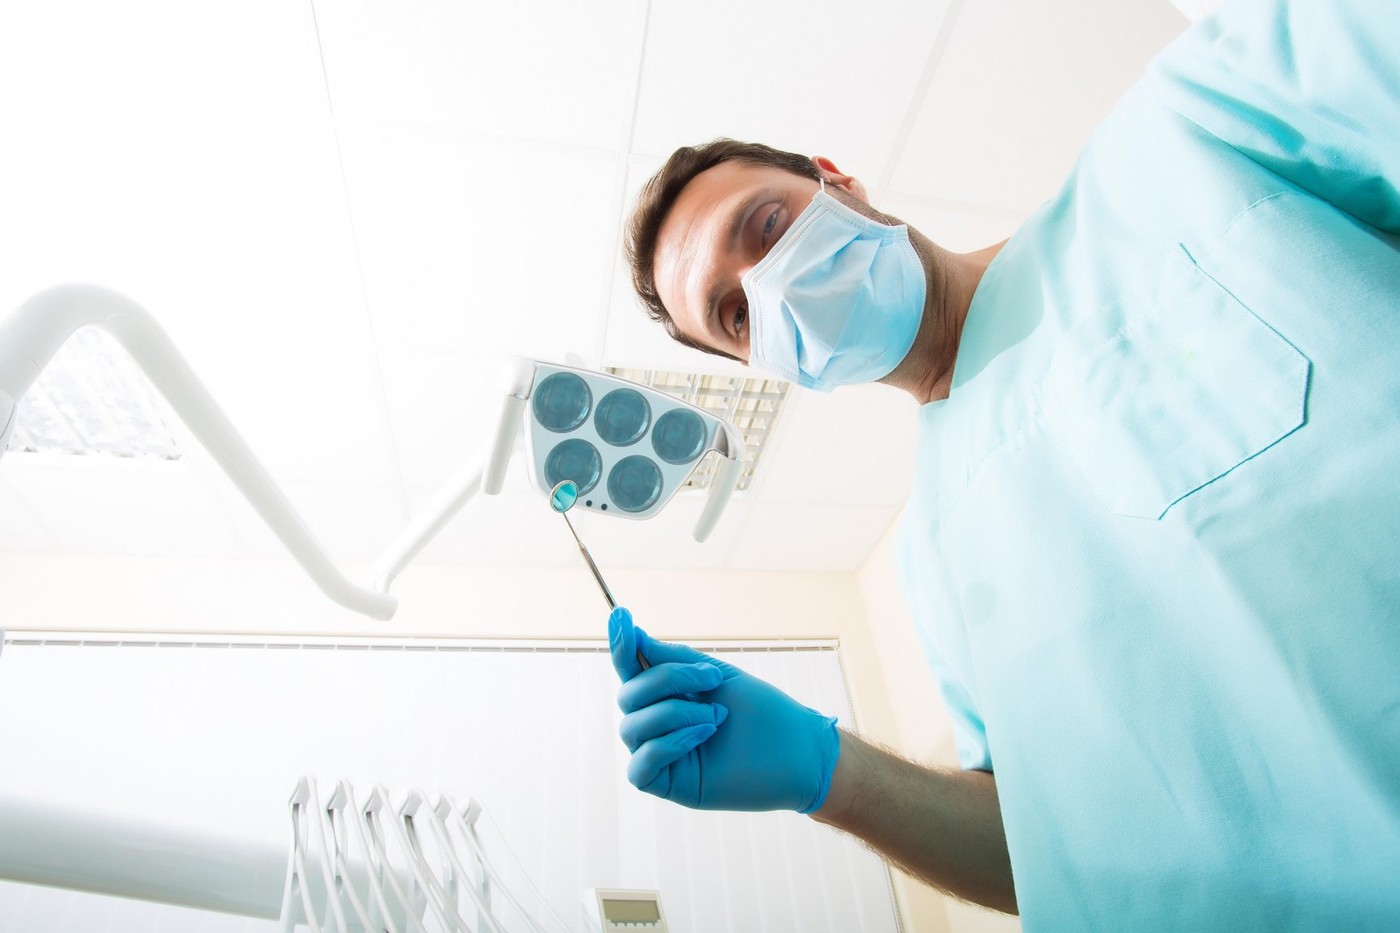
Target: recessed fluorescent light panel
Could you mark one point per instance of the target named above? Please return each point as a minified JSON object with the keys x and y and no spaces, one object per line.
{"x":751,"y":405}
{"x":92,"y":399}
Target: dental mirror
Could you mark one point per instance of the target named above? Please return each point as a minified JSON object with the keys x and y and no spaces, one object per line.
{"x":562,"y":498}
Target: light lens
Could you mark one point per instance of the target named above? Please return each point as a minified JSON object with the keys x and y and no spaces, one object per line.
{"x":561,"y":402}
{"x":623,"y":417}
{"x":575,"y":460}
{"x":634,"y":484}
{"x":679,"y":436}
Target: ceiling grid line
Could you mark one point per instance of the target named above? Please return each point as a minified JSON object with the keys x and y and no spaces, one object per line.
{"x":624,"y":167}
{"x":962,"y":207}
{"x":400,"y":486}
{"x":916,"y":102}
{"x":620,"y":182}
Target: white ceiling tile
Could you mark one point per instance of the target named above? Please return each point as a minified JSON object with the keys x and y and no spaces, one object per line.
{"x":487,"y":248}
{"x":352,"y":523}
{"x":958,"y":228}
{"x":995,"y":133}
{"x":114,"y":506}
{"x":308,"y":414}
{"x":443,"y":407}
{"x":794,"y":536}
{"x":823,"y":78}
{"x":548,"y":70}
{"x":667,"y":540}
{"x":852,"y":447}
{"x":243,"y":220}
{"x":235,"y":236}
{"x":513,"y":529}
{"x":67,"y":61}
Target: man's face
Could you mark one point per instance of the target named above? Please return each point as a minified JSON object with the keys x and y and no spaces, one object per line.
{"x":725,"y":221}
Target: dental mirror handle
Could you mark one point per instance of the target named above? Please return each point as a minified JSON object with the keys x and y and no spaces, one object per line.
{"x":562,"y":498}
{"x":607,"y":594}
{"x":597,"y":575}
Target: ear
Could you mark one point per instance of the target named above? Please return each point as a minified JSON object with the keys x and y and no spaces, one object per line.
{"x":832,"y":175}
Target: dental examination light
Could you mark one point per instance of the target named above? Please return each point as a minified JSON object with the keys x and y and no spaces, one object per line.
{"x":627,"y":447}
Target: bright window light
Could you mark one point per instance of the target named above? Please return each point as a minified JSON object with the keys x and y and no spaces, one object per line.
{"x":751,"y":405}
{"x":92,"y":400}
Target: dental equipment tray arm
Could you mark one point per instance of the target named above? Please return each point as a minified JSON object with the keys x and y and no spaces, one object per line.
{"x":30,"y":337}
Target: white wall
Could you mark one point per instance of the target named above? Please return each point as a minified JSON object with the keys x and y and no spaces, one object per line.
{"x":191,"y":595}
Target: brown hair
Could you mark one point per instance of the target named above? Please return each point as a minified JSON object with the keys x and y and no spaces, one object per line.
{"x":659,"y":195}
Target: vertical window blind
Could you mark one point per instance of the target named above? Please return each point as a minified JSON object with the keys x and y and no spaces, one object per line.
{"x":212,"y":734}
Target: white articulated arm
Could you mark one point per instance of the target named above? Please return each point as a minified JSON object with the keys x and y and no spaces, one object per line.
{"x":30,"y":337}
{"x":518,"y":380}
{"x":485,"y":474}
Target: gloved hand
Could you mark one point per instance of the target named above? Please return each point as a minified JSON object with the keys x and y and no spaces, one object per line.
{"x":707,"y":735}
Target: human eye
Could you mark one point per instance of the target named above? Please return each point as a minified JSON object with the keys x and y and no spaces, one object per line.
{"x":739,"y":320}
{"x":769,"y":225}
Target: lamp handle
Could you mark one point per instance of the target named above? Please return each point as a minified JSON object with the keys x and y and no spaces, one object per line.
{"x":725,"y":481}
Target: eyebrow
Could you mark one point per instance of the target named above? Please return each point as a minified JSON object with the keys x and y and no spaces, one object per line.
{"x":736,"y":228}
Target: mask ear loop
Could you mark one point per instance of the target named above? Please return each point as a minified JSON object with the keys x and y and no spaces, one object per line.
{"x":822,"y":181}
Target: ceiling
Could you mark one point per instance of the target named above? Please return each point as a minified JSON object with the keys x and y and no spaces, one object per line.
{"x":348,"y":213}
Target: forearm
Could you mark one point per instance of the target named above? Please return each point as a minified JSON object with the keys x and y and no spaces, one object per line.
{"x":942,"y":826}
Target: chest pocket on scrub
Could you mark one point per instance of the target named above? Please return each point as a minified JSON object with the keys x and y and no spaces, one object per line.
{"x":1166,"y":391}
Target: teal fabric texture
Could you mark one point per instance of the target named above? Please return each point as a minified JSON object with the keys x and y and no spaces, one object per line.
{"x":1154,"y":542}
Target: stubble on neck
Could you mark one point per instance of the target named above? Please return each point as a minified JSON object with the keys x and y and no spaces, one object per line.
{"x":926,"y":372}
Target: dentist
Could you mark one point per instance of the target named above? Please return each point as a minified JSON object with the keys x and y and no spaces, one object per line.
{"x":1154,"y":545}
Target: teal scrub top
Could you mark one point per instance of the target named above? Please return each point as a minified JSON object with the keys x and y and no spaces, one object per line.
{"x":1154,"y":545}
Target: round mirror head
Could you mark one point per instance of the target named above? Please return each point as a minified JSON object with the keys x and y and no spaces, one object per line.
{"x":563,"y":496}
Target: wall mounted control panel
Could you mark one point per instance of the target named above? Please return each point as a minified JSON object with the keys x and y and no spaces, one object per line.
{"x":614,"y":911}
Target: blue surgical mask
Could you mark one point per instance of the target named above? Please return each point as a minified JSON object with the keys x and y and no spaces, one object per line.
{"x":838,"y":299}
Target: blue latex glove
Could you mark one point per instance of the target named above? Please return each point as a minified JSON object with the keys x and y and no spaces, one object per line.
{"x":707,"y":735}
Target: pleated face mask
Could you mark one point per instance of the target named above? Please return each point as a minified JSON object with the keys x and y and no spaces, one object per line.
{"x":838,"y":299}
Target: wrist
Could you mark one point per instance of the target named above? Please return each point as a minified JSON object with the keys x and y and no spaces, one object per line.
{"x":844,"y":785}
{"x":828,"y":754}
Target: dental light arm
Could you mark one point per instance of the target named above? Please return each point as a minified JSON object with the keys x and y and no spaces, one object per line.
{"x":519,"y":379}
{"x":30,"y":337}
{"x":476,"y":476}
